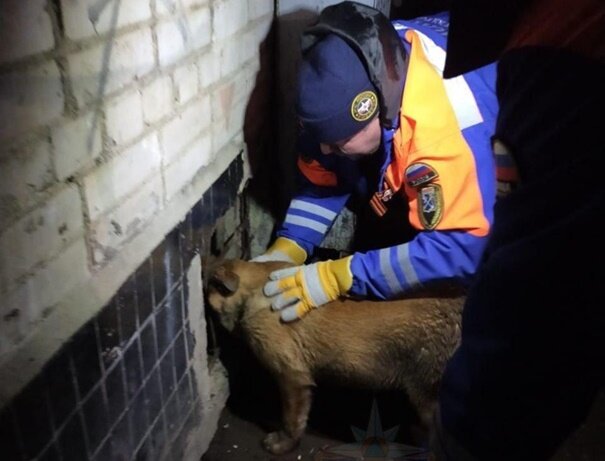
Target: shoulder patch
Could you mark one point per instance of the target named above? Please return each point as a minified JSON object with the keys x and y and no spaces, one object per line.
{"x":430,"y":210}
{"x":419,"y":173}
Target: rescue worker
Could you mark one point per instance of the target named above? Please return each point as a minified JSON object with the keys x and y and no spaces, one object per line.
{"x":532,"y":356}
{"x":369,"y":87}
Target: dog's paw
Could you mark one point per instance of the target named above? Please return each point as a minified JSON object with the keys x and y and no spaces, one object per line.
{"x":279,"y":443}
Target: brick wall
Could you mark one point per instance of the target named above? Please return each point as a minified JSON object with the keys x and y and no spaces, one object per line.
{"x":116,"y":117}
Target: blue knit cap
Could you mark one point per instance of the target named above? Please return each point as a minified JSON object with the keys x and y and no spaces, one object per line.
{"x":335,"y":96}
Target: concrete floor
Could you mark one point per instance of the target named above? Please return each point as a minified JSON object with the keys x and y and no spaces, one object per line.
{"x":248,"y":417}
{"x":239,"y":438}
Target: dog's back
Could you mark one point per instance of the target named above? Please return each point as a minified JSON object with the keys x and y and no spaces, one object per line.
{"x":402,"y":344}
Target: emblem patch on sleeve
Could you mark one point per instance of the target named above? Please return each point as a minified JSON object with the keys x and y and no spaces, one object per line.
{"x":419,"y":173}
{"x":430,"y":209}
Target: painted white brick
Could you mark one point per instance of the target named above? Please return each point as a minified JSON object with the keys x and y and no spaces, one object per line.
{"x":230,"y":56}
{"x":253,"y":39}
{"x":40,"y":235}
{"x":225,"y":97}
{"x":244,"y":84}
{"x":183,"y":35}
{"x":183,"y":129}
{"x":256,"y":36}
{"x":109,"y":184}
{"x":172,"y":42}
{"x":124,"y":118}
{"x":209,"y":68}
{"x":254,"y":66}
{"x":224,"y":130}
{"x":177,"y":6}
{"x":86,"y":18}
{"x":29,"y":98}
{"x":76,"y":143}
{"x":222,"y":102}
{"x":258,"y":8}
{"x":104,"y":68}
{"x":229,"y":102}
{"x":111,"y":230}
{"x":25,"y":29}
{"x":199,"y":25}
{"x":47,"y":286}
{"x":157,"y":99}
{"x":262,"y":29}
{"x":163,"y":7}
{"x":183,"y":169}
{"x":250,"y":47}
{"x":23,"y":176}
{"x":229,"y":17}
{"x":186,"y":82}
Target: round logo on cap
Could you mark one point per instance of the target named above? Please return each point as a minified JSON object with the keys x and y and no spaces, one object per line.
{"x":364,"y":106}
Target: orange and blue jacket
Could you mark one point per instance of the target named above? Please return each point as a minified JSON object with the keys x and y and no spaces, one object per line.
{"x":439,"y":156}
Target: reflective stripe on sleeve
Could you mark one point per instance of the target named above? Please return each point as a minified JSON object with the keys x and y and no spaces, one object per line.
{"x":388,"y":273}
{"x":402,"y":254}
{"x":307,"y":223}
{"x":313,"y":209}
{"x":403,"y":258}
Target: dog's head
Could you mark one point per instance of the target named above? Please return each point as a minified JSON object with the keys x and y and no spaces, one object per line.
{"x":234,"y":288}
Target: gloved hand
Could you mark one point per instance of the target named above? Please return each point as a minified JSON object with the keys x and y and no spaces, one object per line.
{"x":283,"y":249}
{"x":298,"y":290}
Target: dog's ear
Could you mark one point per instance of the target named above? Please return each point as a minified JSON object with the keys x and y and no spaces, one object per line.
{"x":225,"y":281}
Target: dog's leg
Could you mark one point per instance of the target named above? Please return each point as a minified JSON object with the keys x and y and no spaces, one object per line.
{"x":425,"y":404}
{"x":296,"y":403}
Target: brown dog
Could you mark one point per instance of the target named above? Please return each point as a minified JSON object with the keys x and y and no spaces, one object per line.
{"x":400,"y":344}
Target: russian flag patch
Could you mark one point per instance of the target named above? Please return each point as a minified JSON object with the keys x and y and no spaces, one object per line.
{"x":418,"y":174}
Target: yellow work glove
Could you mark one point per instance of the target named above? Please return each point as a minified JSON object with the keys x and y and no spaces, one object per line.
{"x":283,"y":249}
{"x":298,"y":290}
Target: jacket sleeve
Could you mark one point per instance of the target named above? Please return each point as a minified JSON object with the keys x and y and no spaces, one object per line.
{"x":309,"y":217}
{"x":319,"y":199}
{"x":429,"y":257}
